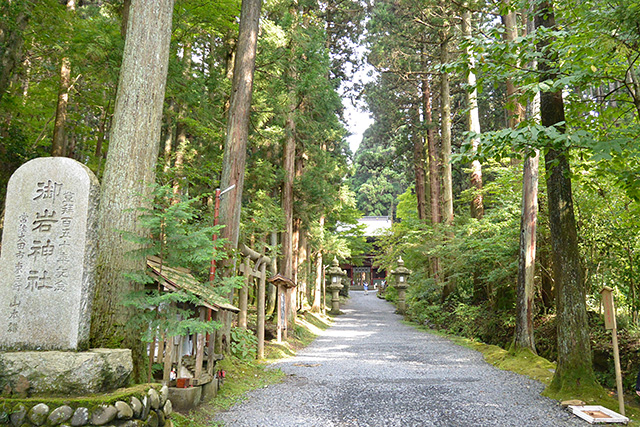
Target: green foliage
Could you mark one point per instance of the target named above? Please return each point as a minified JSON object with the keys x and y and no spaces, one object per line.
{"x":174,"y":234}
{"x":163,"y":311}
{"x":243,"y":343}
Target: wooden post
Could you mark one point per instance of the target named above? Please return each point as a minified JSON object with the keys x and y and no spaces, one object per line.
{"x":284,"y":310}
{"x":200,"y":346}
{"x":178,"y":355}
{"x":161,"y":338}
{"x":279,"y":312}
{"x":243,"y":294}
{"x":260,"y":306}
{"x":610,"y":323}
{"x":212,"y":340}
{"x":152,"y":353}
{"x":324,"y":294}
{"x":168,"y":361}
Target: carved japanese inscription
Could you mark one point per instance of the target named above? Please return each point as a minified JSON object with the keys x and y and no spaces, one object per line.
{"x":47,"y":258}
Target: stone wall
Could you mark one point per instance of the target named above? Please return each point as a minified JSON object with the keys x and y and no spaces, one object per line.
{"x":151,"y":408}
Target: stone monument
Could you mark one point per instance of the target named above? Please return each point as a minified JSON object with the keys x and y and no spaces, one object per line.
{"x":47,"y":258}
{"x":47,"y":268}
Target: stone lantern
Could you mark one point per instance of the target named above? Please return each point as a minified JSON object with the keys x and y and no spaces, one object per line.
{"x":335,"y":275}
{"x":401,"y":275}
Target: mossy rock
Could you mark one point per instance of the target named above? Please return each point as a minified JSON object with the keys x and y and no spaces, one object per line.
{"x":12,"y":405}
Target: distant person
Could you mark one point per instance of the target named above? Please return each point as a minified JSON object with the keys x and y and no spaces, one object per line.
{"x":366,"y":288}
{"x":638,"y":384}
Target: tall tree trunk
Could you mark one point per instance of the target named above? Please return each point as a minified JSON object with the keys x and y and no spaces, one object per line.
{"x":434,"y":167}
{"x":477,"y":205}
{"x":59,"y":142}
{"x":289,"y":150}
{"x":181,"y":149}
{"x":288,"y":159}
{"x":102,"y":130}
{"x":126,"y":10}
{"x":235,"y":149}
{"x":130,"y":168}
{"x":473,"y":125}
{"x":287,"y":191}
{"x":445,"y":106}
{"x":447,"y":179}
{"x":574,"y":369}
{"x":181,"y":129}
{"x":295,"y":244}
{"x":12,"y":40}
{"x":419,"y":164}
{"x":288,"y":164}
{"x":515,"y":110}
{"x":317,"y":298}
{"x":524,"y":333}
{"x":302,"y":262}
{"x":168,"y":136}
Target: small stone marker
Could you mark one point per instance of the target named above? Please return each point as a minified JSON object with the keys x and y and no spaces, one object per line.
{"x":47,"y":259}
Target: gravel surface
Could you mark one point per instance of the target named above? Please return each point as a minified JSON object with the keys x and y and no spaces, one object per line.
{"x":369,"y":369}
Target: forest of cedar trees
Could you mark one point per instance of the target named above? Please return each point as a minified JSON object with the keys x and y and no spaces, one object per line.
{"x":503,"y":144}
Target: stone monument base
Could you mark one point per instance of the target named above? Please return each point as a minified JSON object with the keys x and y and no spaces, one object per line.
{"x":64,"y":373}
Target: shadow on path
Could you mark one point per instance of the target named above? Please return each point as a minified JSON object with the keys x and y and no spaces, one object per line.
{"x":370,"y":369}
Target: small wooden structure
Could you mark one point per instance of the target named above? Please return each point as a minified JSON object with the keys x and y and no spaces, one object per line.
{"x":170,"y":351}
{"x":285,"y":288}
{"x":365,"y":270}
{"x":258,"y":271}
{"x":598,"y":415}
{"x":610,"y":324}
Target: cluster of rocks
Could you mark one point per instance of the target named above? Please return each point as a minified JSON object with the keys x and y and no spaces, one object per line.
{"x":153,"y":411}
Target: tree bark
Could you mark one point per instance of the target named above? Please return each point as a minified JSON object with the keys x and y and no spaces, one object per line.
{"x":181,"y":130}
{"x":272,"y":292}
{"x":295,"y":240}
{"x":477,"y":205}
{"x":289,"y":152}
{"x":302,"y":276}
{"x":235,"y":149}
{"x":288,"y":164}
{"x":12,"y":41}
{"x":419,"y":165}
{"x":130,"y":168}
{"x":59,"y":142}
{"x":574,"y":369}
{"x":447,"y":179}
{"x":524,"y":333}
{"x":432,"y":151}
{"x":168,"y":136}
{"x":434,"y":167}
{"x":316,"y":307}
{"x":515,"y":110}
{"x":445,"y":100}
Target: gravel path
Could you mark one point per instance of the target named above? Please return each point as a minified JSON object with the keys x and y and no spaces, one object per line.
{"x":369,"y":369}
